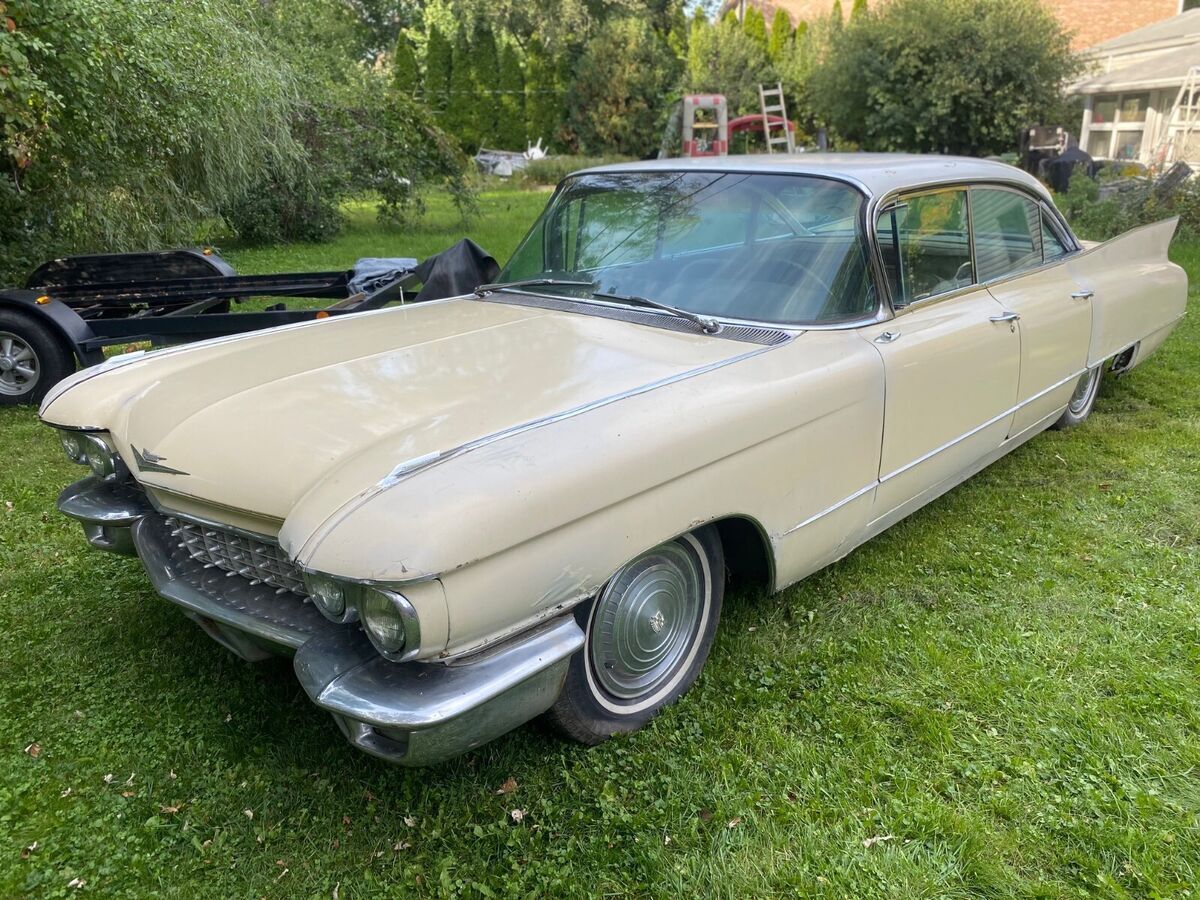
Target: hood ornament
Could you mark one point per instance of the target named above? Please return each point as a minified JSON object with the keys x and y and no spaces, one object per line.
{"x":148,"y":461}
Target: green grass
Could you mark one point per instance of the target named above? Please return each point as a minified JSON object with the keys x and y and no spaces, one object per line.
{"x":505,"y":214}
{"x":1004,"y":689}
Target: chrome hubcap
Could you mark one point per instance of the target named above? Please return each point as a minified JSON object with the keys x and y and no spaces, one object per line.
{"x":18,"y":365}
{"x":646,"y":621}
{"x":1083,"y":391}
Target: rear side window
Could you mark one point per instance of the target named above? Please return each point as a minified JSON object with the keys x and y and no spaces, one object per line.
{"x":925,"y":247}
{"x":1008,"y":232}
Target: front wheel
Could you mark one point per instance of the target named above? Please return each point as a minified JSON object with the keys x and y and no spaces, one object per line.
{"x":648,"y":634}
{"x":1079,"y":407}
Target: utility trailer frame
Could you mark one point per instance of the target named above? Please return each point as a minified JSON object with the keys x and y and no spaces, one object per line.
{"x":71,"y":309}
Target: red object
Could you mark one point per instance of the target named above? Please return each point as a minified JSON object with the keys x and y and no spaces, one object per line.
{"x":755,"y":123}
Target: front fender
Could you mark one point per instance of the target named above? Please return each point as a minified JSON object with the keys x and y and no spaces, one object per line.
{"x":524,"y":527}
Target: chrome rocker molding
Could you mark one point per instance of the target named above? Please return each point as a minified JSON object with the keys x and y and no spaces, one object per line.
{"x":413,"y":713}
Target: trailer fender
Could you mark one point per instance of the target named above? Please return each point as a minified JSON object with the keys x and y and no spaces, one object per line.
{"x":71,"y":329}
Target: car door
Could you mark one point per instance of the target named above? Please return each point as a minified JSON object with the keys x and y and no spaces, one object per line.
{"x":1021,"y":258}
{"x":951,"y":355}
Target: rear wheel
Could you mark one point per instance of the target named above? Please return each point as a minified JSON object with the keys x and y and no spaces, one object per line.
{"x":1079,"y":407}
{"x":648,"y":636}
{"x":32,"y":359}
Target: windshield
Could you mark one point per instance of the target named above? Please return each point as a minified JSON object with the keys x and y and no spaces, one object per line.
{"x":785,"y":249}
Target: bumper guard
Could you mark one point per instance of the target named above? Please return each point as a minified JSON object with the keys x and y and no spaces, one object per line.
{"x":414,"y":713}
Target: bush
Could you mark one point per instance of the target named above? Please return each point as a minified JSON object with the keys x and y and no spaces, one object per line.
{"x":554,"y":169}
{"x":125,"y":125}
{"x":950,"y":76}
{"x":1138,"y":204}
{"x":616,"y":101}
{"x":362,"y":138}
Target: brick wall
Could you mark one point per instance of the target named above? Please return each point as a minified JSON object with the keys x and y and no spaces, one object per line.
{"x":1091,"y":21}
{"x":1094,"y":21}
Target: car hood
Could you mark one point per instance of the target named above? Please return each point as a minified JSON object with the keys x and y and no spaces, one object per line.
{"x":257,"y":422}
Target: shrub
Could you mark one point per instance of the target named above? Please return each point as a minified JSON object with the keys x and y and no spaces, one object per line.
{"x":125,"y":125}
{"x":723,"y":58}
{"x":1138,"y":204}
{"x":953,"y":76}
{"x":616,"y":100}
{"x":361,"y":138}
{"x":554,"y":169}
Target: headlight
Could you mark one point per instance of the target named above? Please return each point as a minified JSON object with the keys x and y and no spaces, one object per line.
{"x":329,"y":596}
{"x":391,"y":623}
{"x":387,"y":617}
{"x":72,"y":444}
{"x":101,"y":458}
{"x":91,"y":449}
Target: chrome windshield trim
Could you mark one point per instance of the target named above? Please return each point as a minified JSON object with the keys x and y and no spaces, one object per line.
{"x":880,"y":314}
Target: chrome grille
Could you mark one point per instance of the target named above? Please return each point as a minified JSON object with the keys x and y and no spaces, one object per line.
{"x":262,"y":562}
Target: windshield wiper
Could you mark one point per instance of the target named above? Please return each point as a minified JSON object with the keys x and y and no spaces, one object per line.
{"x":530,"y":282}
{"x":709,"y":326}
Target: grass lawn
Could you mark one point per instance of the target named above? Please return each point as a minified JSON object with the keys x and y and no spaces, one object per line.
{"x":1000,"y":696}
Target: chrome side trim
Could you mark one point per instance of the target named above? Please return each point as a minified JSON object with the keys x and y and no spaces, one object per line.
{"x":436,"y":458}
{"x":831,"y":509}
{"x":978,"y":428}
{"x":932,"y":453}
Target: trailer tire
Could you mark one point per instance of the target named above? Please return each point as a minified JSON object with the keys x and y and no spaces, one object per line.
{"x":32,"y":359}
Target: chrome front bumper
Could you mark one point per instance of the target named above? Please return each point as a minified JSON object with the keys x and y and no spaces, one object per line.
{"x":413,"y":713}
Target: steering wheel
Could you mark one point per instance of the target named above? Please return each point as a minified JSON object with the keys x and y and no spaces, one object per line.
{"x":803,"y":272}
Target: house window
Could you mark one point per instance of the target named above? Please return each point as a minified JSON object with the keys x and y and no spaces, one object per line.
{"x":1118,"y":126}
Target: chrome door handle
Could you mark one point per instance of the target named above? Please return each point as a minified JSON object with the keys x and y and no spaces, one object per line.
{"x":1005,"y":317}
{"x":1083,"y":295}
{"x":887,"y":337}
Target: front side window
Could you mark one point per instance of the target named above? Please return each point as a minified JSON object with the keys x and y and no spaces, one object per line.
{"x":785,"y":249}
{"x":1052,"y":246}
{"x":1007,"y":230}
{"x":925,"y":247}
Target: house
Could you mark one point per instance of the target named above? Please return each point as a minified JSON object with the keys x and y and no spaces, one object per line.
{"x":1088,"y":21}
{"x":1142,"y":96}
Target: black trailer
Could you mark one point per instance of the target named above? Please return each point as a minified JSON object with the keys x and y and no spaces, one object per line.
{"x":71,"y":309}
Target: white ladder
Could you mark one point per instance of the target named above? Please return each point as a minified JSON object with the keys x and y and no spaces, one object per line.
{"x":771,"y":100}
{"x":1182,"y":122}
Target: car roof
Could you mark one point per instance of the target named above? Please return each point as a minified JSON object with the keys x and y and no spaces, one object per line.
{"x":877,"y":174}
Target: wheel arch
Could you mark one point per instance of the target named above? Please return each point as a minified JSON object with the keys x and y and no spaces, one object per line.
{"x":62,"y":321}
{"x":749,"y":555}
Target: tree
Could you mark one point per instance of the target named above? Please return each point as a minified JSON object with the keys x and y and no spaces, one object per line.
{"x":544,"y":108}
{"x":485,"y":82}
{"x":438,"y":60}
{"x":722,"y":58}
{"x":510,"y":130}
{"x":837,"y":18}
{"x":459,"y":117}
{"x":124,"y":126}
{"x":859,"y":7}
{"x":616,"y":98}
{"x":780,"y":42}
{"x":405,"y":74}
{"x":953,"y":76}
{"x":755,"y":26}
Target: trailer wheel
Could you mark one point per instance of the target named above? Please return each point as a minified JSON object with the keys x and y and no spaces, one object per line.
{"x":32,"y":359}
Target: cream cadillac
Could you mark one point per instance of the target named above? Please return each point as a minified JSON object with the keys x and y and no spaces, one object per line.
{"x":461,"y":514}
